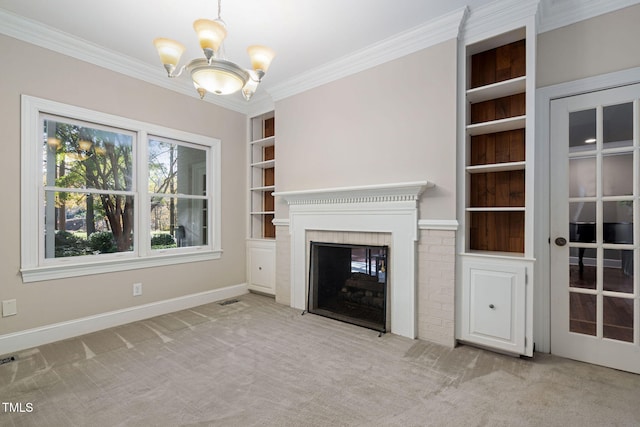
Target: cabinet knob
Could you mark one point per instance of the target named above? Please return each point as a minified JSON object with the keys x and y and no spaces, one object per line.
{"x":491,"y":306}
{"x":259,"y":268}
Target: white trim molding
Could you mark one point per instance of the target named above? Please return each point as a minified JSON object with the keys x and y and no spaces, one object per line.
{"x":280,"y":222}
{"x":41,"y":35}
{"x":390,"y":208}
{"x":29,"y":338}
{"x":420,"y":37}
{"x":438,"y":224}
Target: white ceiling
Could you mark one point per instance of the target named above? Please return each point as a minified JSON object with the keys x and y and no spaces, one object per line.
{"x":304,"y":33}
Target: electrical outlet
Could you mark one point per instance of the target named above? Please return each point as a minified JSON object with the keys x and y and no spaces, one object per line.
{"x":9,"y":308}
{"x":137,"y":289}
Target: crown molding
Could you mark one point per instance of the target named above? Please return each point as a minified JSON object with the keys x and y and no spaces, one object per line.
{"x":497,"y":17}
{"x":556,"y":14}
{"x":50,"y":38}
{"x":402,"y":44}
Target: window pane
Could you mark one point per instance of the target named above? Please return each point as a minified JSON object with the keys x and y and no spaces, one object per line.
{"x":178,"y":222}
{"x":79,"y":224}
{"x":582,"y":130}
{"x":176,"y":169}
{"x":86,"y":157}
{"x":617,"y":274}
{"x":582,"y":177}
{"x":616,"y":172}
{"x":582,"y":217}
{"x":618,"y":318}
{"x":617,"y":125}
{"x":582,"y":313}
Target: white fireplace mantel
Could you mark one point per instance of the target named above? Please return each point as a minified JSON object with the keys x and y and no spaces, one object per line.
{"x":405,"y":191}
{"x":388,"y":208}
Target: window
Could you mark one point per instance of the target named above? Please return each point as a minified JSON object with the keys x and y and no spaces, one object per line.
{"x":103,"y":193}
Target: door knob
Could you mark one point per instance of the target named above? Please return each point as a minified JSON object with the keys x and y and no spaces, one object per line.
{"x":561,"y":241}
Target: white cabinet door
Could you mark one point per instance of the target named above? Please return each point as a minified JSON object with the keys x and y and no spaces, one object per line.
{"x":261,"y":268}
{"x":494,"y":305}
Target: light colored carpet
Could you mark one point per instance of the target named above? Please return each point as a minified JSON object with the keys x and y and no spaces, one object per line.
{"x":258,"y":363}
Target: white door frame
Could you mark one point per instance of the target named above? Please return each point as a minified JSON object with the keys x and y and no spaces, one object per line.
{"x":542,"y":273}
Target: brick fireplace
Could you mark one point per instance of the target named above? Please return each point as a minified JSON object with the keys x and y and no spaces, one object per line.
{"x":360,"y":215}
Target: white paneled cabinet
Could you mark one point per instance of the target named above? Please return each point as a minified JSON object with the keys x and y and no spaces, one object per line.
{"x":261,"y":266}
{"x":494,"y":304}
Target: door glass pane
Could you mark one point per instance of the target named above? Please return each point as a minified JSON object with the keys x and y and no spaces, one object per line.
{"x":617,"y":125}
{"x":582,"y":177}
{"x":618,"y":318}
{"x":618,"y":271}
{"x":618,"y":222}
{"x":582,"y":130}
{"x":582,"y":217}
{"x":582,"y":313}
{"x":616,"y":171}
{"x":582,"y":268}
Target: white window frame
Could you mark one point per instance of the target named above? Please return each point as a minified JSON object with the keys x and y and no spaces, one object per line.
{"x":34,"y":267}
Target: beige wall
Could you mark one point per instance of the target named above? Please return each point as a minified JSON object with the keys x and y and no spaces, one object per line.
{"x":589,"y":48}
{"x":389,"y":124}
{"x":45,"y":74}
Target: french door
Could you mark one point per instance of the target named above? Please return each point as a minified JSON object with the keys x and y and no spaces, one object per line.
{"x":595,"y":189}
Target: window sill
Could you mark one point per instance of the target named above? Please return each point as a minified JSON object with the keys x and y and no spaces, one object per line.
{"x":38,"y":274}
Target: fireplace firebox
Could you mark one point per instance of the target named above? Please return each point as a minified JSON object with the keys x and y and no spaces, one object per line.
{"x":349,"y":283}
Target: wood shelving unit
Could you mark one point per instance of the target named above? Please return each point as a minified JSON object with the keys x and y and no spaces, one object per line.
{"x":496,"y":163}
{"x":262,"y":176}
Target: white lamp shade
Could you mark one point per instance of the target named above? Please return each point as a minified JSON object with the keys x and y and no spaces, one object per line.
{"x":169,"y":50}
{"x":261,"y":57}
{"x":210,"y":33}
{"x":217,"y":81}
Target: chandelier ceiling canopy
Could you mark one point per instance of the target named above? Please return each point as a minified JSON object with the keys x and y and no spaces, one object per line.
{"x":215,"y":73}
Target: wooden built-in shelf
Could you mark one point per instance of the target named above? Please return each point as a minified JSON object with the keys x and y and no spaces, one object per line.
{"x":497,"y":90}
{"x":265,"y":188}
{"x":497,"y":167}
{"x":497,"y":209}
{"x":264,"y":142}
{"x":494,"y":126}
{"x":267,"y":164}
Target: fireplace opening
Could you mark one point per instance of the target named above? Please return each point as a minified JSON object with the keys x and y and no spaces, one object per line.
{"x":349,"y":283}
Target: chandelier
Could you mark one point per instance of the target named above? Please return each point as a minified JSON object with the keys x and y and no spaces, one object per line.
{"x":214,"y":73}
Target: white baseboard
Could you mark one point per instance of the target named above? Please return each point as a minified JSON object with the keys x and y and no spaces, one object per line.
{"x":22,"y":340}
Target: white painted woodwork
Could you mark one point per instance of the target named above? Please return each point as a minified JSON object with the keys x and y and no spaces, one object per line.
{"x":388,"y":208}
{"x":485,"y":278}
{"x":589,"y":348}
{"x":261,"y":272}
{"x":493,"y":308}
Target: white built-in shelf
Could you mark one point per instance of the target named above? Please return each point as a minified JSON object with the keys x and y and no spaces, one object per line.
{"x":497,"y":90}
{"x":263,"y":213}
{"x":264,"y":189}
{"x":493,"y":126}
{"x":497,"y":167}
{"x":497,"y":209}
{"x":264,"y":142}
{"x":264,"y":165}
